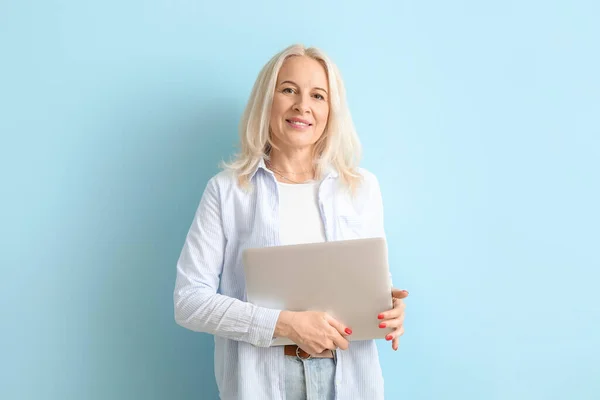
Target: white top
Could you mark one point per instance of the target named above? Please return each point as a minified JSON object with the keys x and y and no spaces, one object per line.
{"x":299,"y":214}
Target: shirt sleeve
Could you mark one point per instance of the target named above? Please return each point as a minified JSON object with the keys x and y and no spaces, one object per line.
{"x":198,"y":306}
{"x":374,"y":214}
{"x":374,"y":211}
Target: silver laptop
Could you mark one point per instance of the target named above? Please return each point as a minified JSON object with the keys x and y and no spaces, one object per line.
{"x":348,"y":279}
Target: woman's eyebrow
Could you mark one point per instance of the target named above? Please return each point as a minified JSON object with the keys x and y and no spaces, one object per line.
{"x":290,"y":82}
{"x":294,"y":83}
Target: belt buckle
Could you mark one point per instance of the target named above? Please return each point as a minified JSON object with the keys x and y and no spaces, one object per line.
{"x":298,"y":354}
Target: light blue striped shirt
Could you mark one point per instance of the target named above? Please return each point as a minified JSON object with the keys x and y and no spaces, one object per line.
{"x":210,"y":293}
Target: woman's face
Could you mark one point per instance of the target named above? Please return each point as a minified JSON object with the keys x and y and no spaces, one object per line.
{"x":300,"y":103}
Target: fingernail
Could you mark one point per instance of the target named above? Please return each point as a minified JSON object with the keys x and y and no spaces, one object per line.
{"x":348,"y":331}
{"x":388,"y":337}
{"x":406,"y":291}
{"x":382,"y":325}
{"x":395,"y":348}
{"x":380,"y":316}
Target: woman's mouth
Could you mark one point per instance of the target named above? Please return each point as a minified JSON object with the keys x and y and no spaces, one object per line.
{"x":297,"y":123}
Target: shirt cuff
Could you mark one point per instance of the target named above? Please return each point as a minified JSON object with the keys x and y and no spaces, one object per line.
{"x":262,"y":327}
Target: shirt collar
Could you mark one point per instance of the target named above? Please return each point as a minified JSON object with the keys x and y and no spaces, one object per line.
{"x":329,"y":172}
{"x":261,"y":165}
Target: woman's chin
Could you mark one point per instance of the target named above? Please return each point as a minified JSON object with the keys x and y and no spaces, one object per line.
{"x":300,"y":144}
{"x":301,"y":138}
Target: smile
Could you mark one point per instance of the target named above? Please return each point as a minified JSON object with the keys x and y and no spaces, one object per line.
{"x":298,"y":124}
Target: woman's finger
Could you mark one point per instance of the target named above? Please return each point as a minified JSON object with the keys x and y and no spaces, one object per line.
{"x":395,"y":312}
{"x":396,"y":333}
{"x":399,"y":294}
{"x":395,"y":343}
{"x":399,"y":304}
{"x":392,"y":323}
{"x":343,"y":330}
{"x":340,"y":342}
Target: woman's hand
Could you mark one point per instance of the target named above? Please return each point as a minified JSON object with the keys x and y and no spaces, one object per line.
{"x":394,"y":318}
{"x":313,"y":331}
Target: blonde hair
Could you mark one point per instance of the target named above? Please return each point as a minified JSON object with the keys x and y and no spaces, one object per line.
{"x":338,"y":147}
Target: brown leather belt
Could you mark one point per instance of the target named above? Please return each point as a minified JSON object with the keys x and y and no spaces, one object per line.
{"x":295,"y":351}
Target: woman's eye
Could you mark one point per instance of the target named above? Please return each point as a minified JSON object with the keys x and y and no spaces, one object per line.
{"x":319,"y":96}
{"x":288,"y":90}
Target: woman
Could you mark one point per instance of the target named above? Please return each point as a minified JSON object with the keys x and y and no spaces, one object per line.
{"x":296,"y":180}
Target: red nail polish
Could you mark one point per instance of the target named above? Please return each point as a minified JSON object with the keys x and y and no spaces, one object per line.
{"x":348,"y":331}
{"x":382,"y":325}
{"x":388,"y":337}
{"x":380,"y":316}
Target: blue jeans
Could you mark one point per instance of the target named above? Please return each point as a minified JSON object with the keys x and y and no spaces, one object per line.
{"x":312,"y":379}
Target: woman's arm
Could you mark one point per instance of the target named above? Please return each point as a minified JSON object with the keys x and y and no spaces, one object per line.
{"x":198,"y":306}
{"x":373,"y":213}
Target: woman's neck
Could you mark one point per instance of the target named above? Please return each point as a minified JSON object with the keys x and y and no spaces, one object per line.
{"x":291,"y":168}
{"x":297,"y":163}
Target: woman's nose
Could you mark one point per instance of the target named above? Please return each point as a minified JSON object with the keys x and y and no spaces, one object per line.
{"x":302,"y":105}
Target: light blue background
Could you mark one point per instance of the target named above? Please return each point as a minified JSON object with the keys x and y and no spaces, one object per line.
{"x":479,"y":118}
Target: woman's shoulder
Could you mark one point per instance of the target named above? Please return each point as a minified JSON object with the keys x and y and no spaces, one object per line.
{"x":368,"y":176}
{"x":224,"y":177}
{"x":222,"y":181}
{"x":369,"y":180}
{"x":366,"y":190}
